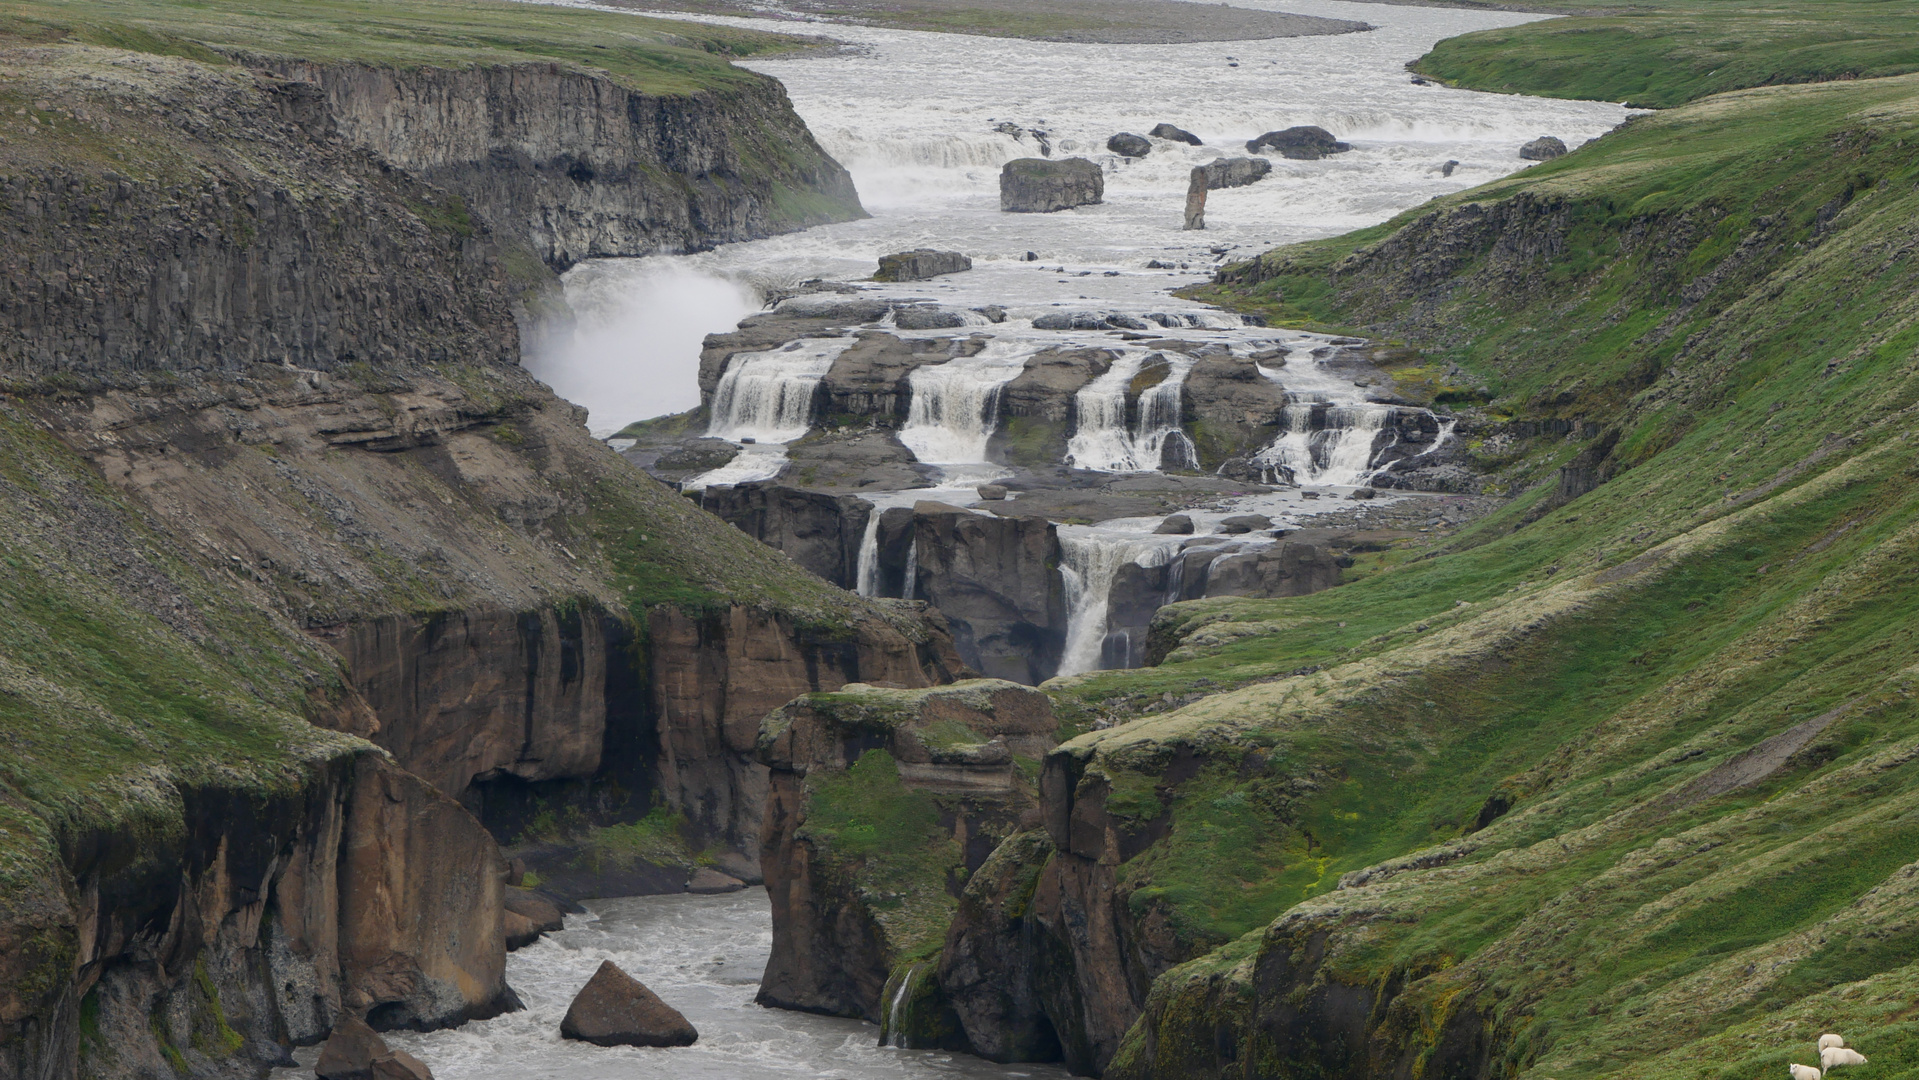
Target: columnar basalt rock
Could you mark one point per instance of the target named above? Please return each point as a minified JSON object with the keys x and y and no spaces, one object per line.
{"x":820,"y":532}
{"x":997,"y":581}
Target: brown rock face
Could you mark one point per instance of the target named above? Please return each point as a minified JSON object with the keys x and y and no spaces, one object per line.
{"x":714,"y":678}
{"x":400,"y":1065}
{"x":820,"y":532}
{"x":842,"y":918}
{"x":350,"y":1051}
{"x":422,"y":939}
{"x":615,"y":1009}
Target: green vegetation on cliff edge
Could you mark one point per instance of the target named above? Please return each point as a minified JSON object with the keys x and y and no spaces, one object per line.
{"x":1636,"y":760}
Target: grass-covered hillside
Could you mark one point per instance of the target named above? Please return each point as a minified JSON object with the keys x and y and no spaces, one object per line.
{"x":1660,"y":53}
{"x":1634,"y":756}
{"x":646,"y":54}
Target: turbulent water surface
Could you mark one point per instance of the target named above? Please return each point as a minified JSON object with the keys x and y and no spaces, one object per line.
{"x":703,"y":955}
{"x":913,"y":115}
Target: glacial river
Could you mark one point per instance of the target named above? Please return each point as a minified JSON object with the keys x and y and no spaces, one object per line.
{"x":703,"y":955}
{"x":913,"y":115}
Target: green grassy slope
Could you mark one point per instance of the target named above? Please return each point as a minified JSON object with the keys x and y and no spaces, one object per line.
{"x":1660,"y":53}
{"x":653,"y":55}
{"x":1555,"y":705}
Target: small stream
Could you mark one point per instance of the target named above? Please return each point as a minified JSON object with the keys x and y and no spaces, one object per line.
{"x":703,"y":955}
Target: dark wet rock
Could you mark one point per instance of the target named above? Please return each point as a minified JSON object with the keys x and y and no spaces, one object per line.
{"x":1176,"y":525}
{"x":1363,"y":493}
{"x":615,"y":1009}
{"x":1244,"y":523}
{"x":869,"y":380}
{"x":1305,"y":143}
{"x":928,"y":317}
{"x":818,"y":531}
{"x":1544,"y":148}
{"x":993,"y":312}
{"x":1447,"y":169}
{"x":1173,"y":134}
{"x":992,"y":492}
{"x":1126,"y":144}
{"x":921,"y":264}
{"x":707,"y":881}
{"x":997,"y":581}
{"x":1234,"y":172}
{"x":1037,"y":186}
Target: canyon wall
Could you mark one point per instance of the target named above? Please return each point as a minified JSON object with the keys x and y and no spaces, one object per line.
{"x":578,"y":165}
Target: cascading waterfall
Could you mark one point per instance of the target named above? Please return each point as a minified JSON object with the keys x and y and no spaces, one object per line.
{"x":1102,"y":441}
{"x":955,"y":405}
{"x":768,"y":396}
{"x":910,"y":581}
{"x":1321,"y":443}
{"x":1089,"y":560}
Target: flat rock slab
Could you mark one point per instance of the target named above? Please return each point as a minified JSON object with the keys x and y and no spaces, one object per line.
{"x":921,"y":264}
{"x":615,"y":1009}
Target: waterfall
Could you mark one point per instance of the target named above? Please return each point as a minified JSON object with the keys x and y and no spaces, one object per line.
{"x":891,"y":1035}
{"x":1101,"y":439}
{"x":909,"y":583}
{"x":1320,"y":443}
{"x":955,"y":406}
{"x":768,"y":396}
{"x":1089,"y":560}
{"x":867,"y":578}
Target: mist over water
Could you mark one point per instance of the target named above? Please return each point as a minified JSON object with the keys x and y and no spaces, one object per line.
{"x":912,"y":115}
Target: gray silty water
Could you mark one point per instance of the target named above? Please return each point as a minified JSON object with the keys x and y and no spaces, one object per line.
{"x":704,"y":956}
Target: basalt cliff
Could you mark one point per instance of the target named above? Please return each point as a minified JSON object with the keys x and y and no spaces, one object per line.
{"x":313,"y":597}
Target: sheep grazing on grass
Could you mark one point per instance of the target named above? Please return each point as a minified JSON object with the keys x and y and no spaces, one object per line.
{"x":1834,"y":1056}
{"x":1803,"y":1072}
{"x":1829,"y":1040}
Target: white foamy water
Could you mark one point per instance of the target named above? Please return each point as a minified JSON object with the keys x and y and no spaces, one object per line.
{"x":768,"y":396}
{"x":703,"y":955}
{"x":912,"y":116}
{"x":1090,"y":557}
{"x":955,"y":405}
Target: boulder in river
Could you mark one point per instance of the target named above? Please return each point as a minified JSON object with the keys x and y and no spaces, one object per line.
{"x":1244,"y":523}
{"x":1544,"y":148}
{"x":1173,"y":134}
{"x":1176,"y":525}
{"x":1196,"y":189}
{"x":615,"y":1009}
{"x":1234,"y":172}
{"x":1126,"y":144}
{"x":927,"y":317}
{"x":1305,"y":143}
{"x":921,"y":264}
{"x":1040,"y":186}
{"x":400,"y":1065}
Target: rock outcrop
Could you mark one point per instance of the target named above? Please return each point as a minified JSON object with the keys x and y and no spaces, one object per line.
{"x":1544,"y":148}
{"x":921,"y":264}
{"x":1305,"y":143}
{"x":881,"y":802}
{"x":1196,"y":188}
{"x":1042,"y":185}
{"x":996,"y":580}
{"x":818,"y":531}
{"x":615,"y":1009}
{"x":580,"y":165}
{"x":1234,"y":172}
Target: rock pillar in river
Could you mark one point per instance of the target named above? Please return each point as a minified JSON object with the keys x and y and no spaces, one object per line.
{"x":1196,"y":199}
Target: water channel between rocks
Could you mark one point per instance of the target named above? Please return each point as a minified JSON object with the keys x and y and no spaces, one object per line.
{"x":703,"y":955}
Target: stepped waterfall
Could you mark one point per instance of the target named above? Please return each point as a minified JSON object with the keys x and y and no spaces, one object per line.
{"x":768,"y":396}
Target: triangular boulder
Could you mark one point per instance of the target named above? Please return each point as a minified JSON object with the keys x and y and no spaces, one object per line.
{"x":615,"y":1009}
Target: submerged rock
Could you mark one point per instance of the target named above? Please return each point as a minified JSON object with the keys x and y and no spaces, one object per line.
{"x":1127,"y":144}
{"x":615,"y":1009}
{"x":921,"y":264}
{"x":707,"y":881}
{"x":1038,"y":186}
{"x":1544,"y":148}
{"x":1173,"y":134}
{"x":1305,"y":143}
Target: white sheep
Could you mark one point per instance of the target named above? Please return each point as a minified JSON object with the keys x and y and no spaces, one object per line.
{"x":1830,"y":1040}
{"x":1803,"y":1072}
{"x":1834,"y":1056}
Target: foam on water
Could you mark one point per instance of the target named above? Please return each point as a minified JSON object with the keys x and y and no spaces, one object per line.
{"x":912,"y":116}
